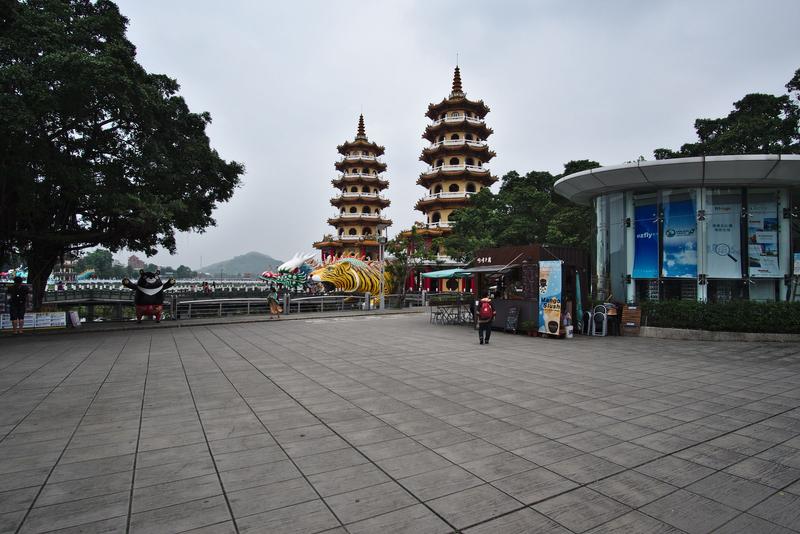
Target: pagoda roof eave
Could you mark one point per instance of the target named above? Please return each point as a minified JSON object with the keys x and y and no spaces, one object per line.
{"x":477,"y":106}
{"x":361,"y":143}
{"x":438,"y":128}
{"x":366,"y":163}
{"x":431,"y":153}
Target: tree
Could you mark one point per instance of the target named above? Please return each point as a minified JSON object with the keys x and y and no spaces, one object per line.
{"x":525,"y":210}
{"x":100,"y":260}
{"x":184,"y":272}
{"x":758,"y":124}
{"x":95,"y":150}
{"x":408,"y":253}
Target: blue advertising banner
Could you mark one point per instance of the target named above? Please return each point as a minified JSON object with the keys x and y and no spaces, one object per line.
{"x":680,"y":240}
{"x":550,"y":297}
{"x":645,"y":255}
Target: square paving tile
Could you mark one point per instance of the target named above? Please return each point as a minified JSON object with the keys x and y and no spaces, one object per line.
{"x":632,"y":488}
{"x":581,"y":509}
{"x":525,"y":521}
{"x":585,"y":468}
{"x":765,"y":472}
{"x":474,"y":505}
{"x":369,"y":502}
{"x":731,"y":490}
{"x":440,"y":482}
{"x":675,"y":471}
{"x":690,"y":512}
{"x":535,"y":485}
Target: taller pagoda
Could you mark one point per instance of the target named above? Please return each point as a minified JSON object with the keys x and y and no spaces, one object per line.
{"x":456,"y":158}
{"x":359,"y":200}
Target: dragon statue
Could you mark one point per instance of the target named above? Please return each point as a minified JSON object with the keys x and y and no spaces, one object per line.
{"x":292,"y":274}
{"x":352,"y":275}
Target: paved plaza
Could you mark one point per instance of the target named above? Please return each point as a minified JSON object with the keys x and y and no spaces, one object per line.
{"x":391,"y":424}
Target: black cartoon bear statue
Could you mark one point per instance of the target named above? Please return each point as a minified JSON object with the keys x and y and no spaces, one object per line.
{"x":148,"y":294}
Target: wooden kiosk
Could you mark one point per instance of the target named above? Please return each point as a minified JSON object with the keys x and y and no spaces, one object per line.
{"x":511,"y":277}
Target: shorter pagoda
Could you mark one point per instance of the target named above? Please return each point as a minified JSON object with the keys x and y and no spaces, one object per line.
{"x":359,"y":202}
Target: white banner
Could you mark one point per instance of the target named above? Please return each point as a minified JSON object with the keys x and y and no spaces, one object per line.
{"x":723,"y":248}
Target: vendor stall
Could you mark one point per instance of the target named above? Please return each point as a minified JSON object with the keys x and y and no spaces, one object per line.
{"x":511,"y":276}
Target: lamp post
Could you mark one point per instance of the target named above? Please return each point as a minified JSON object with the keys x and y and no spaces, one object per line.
{"x":381,"y":242}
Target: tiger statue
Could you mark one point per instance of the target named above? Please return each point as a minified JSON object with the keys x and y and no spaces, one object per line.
{"x":352,"y":275}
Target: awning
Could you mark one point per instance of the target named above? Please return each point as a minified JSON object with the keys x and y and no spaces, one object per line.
{"x":489,"y":269}
{"x":447,"y":273}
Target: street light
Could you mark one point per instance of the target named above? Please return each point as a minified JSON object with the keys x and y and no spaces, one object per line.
{"x":381,"y":242}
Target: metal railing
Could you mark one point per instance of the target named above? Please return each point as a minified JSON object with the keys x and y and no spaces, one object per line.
{"x":350,"y":194}
{"x":350,"y":157}
{"x":446,"y":168}
{"x":449,"y":194}
{"x":357,"y":215}
{"x":459,"y":142}
{"x":459,"y":118}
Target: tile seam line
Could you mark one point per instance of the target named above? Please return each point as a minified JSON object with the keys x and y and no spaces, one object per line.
{"x":138,"y":437}
{"x":205,"y":436}
{"x":453,"y":527}
{"x":75,"y":430}
{"x":272,"y":436}
{"x":48,"y":393}
{"x":585,"y":485}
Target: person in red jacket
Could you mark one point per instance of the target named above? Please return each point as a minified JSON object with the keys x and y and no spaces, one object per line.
{"x":486,"y":315}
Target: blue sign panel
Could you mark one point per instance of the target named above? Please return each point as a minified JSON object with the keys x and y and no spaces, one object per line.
{"x":645,"y":256}
{"x":680,"y":240}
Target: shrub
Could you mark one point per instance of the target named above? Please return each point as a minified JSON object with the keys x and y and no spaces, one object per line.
{"x":734,"y":316}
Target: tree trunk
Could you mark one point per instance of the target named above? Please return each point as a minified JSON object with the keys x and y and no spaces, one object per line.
{"x":40,"y":265}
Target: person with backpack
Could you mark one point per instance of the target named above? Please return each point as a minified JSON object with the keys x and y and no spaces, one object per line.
{"x":18,"y":301}
{"x":486,"y":315}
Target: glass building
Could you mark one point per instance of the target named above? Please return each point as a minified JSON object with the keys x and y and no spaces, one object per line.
{"x":711,"y":228}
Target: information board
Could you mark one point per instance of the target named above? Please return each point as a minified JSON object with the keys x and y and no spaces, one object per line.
{"x":511,"y":319}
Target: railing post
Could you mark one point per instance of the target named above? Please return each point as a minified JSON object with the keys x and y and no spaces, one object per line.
{"x":219,"y":313}
{"x":189,"y":311}
{"x":173,"y":307}
{"x":287,"y":301}
{"x":367,"y":301}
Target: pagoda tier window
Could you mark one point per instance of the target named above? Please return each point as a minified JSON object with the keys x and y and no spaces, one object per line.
{"x":455,"y":114}
{"x":351,"y":231}
{"x":341,"y":211}
{"x":453,"y":188}
{"x":341,"y":231}
{"x":453,"y":161}
{"x":354,"y":189}
{"x":375,"y":191}
{"x":438,"y":189}
{"x":468,"y":137}
{"x":353,"y":209}
{"x":455,"y":137}
{"x":367,"y":231}
{"x":436,"y":217}
{"x":377,"y":212}
{"x":470,"y":161}
{"x":439,"y":162}
{"x":365,"y":189}
{"x":470,"y":187}
{"x":366,"y":209}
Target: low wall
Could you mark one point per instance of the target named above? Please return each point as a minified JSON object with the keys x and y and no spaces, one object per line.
{"x":708,"y":335}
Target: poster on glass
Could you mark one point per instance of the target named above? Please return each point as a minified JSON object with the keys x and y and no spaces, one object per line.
{"x":680,"y":238}
{"x":762,"y":239}
{"x":723,"y":247}
{"x":645,"y":257}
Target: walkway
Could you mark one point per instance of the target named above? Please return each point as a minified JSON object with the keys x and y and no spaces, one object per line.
{"x":390,"y":424}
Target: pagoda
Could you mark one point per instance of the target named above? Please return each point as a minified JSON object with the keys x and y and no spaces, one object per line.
{"x":456,"y":158}
{"x":359,"y":200}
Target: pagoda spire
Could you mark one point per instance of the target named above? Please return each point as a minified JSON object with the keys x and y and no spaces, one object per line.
{"x":457,"y":90}
{"x":361,"y":134}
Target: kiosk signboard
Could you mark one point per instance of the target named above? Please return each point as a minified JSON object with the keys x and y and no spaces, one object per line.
{"x":550,"y":297}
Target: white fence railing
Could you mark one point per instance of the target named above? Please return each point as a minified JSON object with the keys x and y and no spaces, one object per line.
{"x":451,"y":168}
{"x":459,"y":118}
{"x":449,"y":194}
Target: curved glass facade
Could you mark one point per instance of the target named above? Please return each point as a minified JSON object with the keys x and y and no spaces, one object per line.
{"x":705,"y":243}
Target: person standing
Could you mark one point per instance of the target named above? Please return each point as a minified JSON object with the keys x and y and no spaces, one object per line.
{"x":486,"y":314}
{"x":275,"y":308}
{"x":18,"y":300}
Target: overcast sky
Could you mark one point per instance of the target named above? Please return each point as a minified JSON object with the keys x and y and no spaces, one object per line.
{"x":285,"y":81}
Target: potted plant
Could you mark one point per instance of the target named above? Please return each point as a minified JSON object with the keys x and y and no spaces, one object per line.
{"x":529,"y":327}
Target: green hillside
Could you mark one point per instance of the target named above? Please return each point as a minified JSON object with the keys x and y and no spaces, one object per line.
{"x":253,"y":262}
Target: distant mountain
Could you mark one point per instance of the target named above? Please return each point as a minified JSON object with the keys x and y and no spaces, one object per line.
{"x":254,"y":263}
